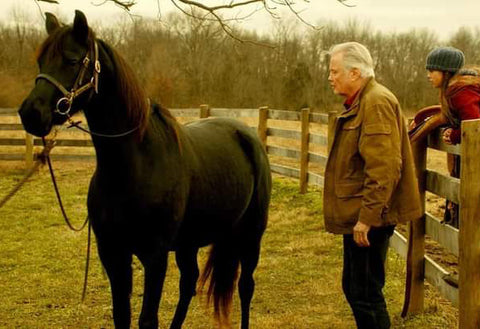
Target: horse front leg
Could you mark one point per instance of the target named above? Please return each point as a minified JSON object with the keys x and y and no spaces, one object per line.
{"x":118,"y":266}
{"x":155,"y":269}
{"x":187,"y":264}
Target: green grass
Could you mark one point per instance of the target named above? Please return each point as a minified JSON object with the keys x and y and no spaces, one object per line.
{"x":298,"y":278}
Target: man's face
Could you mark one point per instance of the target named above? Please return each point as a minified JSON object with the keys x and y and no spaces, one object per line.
{"x":339,"y":78}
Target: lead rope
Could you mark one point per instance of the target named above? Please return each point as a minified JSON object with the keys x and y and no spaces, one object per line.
{"x":67,"y":220}
{"x":57,"y":192}
{"x":40,"y":160}
{"x":87,"y":262}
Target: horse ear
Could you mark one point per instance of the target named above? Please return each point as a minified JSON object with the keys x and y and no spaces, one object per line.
{"x":80,"y":27}
{"x":51,"y":23}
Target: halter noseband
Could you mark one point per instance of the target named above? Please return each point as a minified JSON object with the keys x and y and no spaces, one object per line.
{"x":64,"y":104}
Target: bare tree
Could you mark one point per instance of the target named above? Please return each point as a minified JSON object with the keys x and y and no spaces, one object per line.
{"x":226,"y":12}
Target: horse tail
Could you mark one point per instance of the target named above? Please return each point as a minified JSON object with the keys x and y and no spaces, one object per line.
{"x":222,"y":266}
{"x":222,"y":270}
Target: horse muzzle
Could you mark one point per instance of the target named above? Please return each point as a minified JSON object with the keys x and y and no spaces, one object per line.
{"x":36,"y":120}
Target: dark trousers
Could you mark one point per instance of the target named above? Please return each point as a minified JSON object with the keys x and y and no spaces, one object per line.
{"x":364,"y":277}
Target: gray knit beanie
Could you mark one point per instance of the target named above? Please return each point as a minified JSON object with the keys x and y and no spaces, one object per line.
{"x":447,"y":59}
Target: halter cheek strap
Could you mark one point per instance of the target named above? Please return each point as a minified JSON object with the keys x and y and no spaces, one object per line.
{"x":64,"y":104}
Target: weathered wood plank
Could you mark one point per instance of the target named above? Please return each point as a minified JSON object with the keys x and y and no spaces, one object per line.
{"x":11,"y":126}
{"x":12,"y":141}
{"x":284,"y":152}
{"x":284,"y":133}
{"x":434,"y":273}
{"x":443,"y":185}
{"x":204,"y":111}
{"x":12,"y":156}
{"x":5,"y":112}
{"x":67,"y":142}
{"x":319,"y":118}
{"x":187,"y":113}
{"x":444,"y":234}
{"x":469,"y":258}
{"x":38,"y":142}
{"x":28,"y":150}
{"x":286,"y":171}
{"x":262,"y":125}
{"x":234,"y":113}
{"x":316,"y":179}
{"x":305,"y":124}
{"x":317,"y":158}
{"x":284,"y":115}
{"x":72,"y":157}
{"x":318,"y":139}
{"x":399,"y":243}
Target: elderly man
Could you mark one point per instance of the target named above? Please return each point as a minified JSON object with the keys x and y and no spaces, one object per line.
{"x":370,"y":182}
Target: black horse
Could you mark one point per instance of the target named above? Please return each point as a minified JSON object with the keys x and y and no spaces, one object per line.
{"x":158,"y":186}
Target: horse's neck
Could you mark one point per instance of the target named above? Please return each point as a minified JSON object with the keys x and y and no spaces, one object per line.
{"x":107,"y":116}
{"x":108,"y":119}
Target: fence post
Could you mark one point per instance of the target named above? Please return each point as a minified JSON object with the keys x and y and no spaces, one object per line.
{"x":469,"y":236}
{"x":305,"y":122}
{"x":28,"y":150}
{"x":262,"y":125}
{"x":414,"y":290}
{"x":204,"y":111}
{"x":331,"y":129}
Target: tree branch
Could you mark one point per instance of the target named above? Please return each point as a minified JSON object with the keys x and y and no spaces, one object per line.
{"x":222,"y":22}
{"x":212,"y":11}
{"x":124,"y":4}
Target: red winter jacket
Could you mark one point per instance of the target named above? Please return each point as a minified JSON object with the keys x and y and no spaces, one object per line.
{"x":463,"y":96}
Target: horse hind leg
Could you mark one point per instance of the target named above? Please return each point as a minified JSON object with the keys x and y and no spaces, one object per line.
{"x":251,"y":229}
{"x":246,"y":284}
{"x":186,"y":259}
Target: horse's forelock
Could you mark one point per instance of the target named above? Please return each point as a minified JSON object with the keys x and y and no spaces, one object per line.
{"x":53,"y":45}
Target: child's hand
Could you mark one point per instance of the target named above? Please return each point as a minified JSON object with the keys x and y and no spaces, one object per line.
{"x":446,"y":136}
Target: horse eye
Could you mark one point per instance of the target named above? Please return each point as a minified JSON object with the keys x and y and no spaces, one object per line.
{"x":72,"y":61}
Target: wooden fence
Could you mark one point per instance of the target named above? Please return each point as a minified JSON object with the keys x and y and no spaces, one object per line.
{"x":463,"y":242}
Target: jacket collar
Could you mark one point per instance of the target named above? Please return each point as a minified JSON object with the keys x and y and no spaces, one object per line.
{"x":353,"y":109}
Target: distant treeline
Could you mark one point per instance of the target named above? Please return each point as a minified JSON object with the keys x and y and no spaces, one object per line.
{"x":184,"y":62}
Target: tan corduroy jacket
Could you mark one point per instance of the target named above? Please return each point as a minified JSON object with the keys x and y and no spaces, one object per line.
{"x":370,"y":173}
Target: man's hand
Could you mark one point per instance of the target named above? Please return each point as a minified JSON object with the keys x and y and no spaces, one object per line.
{"x":446,"y":135}
{"x":360,"y":232}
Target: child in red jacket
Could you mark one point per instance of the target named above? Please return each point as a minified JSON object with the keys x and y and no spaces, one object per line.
{"x":459,"y":99}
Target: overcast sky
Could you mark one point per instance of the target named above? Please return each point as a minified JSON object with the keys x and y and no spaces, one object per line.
{"x":442,"y":16}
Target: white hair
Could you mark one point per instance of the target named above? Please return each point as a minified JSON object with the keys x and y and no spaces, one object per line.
{"x":355,"y":56}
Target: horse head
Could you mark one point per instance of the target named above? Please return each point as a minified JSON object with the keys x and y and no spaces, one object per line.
{"x":69,"y":68}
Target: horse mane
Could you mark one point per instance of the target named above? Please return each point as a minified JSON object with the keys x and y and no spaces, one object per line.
{"x":130,"y":92}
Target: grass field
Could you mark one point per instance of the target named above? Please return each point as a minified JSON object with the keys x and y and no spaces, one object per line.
{"x":298,"y":278}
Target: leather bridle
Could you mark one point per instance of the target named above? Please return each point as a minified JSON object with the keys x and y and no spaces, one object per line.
{"x":64,"y":104}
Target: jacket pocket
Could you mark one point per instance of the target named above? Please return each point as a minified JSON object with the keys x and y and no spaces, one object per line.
{"x":349,"y":190}
{"x":351,"y":125}
{"x":378,"y":129}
